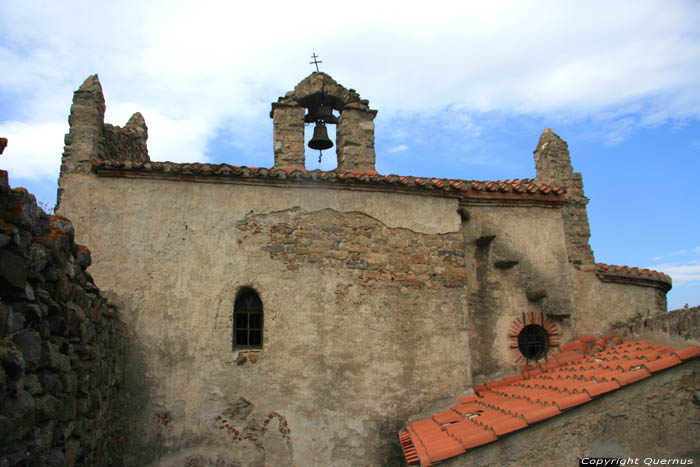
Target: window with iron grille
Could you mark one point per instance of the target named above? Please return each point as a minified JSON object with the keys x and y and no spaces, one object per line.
{"x":533,"y":341}
{"x":247,"y":321}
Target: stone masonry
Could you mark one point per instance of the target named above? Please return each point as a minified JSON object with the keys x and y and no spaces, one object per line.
{"x":59,"y":352}
{"x":355,"y":133}
{"x":553,"y":164}
{"x":380,"y":294}
{"x":90,"y":138}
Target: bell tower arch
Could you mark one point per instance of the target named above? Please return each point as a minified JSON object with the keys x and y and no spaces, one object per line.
{"x":354,"y":135}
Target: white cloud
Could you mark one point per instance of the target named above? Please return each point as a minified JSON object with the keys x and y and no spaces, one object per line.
{"x":195,"y":69}
{"x":34,"y":148}
{"x":681,"y":273}
{"x":399,"y":148}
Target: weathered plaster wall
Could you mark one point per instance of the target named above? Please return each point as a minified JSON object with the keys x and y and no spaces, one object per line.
{"x":365,"y":314}
{"x":600,"y":305}
{"x":655,"y":418}
{"x":527,"y":253}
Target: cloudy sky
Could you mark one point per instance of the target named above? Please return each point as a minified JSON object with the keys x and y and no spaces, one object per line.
{"x":463,"y":91}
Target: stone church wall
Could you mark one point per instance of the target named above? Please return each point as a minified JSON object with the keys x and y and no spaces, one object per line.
{"x":59,"y":344}
{"x":511,"y":253}
{"x":378,"y":298}
{"x":365,"y":317}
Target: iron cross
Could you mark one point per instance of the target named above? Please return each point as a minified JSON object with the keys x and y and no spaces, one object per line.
{"x":315,"y":62}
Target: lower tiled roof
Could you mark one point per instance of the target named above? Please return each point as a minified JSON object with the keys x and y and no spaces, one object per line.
{"x":582,"y":371}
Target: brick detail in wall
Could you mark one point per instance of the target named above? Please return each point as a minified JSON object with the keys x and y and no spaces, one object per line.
{"x":553,"y":164}
{"x":378,"y":256}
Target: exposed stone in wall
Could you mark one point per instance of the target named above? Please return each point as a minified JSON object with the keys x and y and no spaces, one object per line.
{"x":127,"y":143}
{"x":380,"y":256}
{"x":553,"y":164}
{"x":288,"y":133}
{"x":355,"y":139}
{"x":58,"y":344}
{"x":90,"y":138}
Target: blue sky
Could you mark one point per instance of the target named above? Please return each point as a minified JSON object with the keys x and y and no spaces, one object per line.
{"x":462,"y":92}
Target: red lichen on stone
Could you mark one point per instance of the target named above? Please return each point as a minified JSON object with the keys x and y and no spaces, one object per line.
{"x":7,"y":228}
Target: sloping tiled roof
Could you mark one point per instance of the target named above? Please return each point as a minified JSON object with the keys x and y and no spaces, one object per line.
{"x":581,"y":372}
{"x":632,"y":275}
{"x":525,"y":188}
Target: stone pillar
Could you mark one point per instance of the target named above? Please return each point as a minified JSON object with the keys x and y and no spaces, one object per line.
{"x":355,"y":138}
{"x":553,"y":164}
{"x":85,"y":137}
{"x":288,"y":133}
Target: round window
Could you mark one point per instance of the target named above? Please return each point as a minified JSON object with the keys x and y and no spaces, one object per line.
{"x":533,"y":341}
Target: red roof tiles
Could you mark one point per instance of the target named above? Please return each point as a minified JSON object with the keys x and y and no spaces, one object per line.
{"x":586,"y":369}
{"x":631,"y":275}
{"x":505,"y":189}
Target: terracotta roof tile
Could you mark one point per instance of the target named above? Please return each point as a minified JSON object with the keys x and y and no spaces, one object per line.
{"x":504,"y":189}
{"x":572,"y":378}
{"x":688,"y":352}
{"x":628,"y":274}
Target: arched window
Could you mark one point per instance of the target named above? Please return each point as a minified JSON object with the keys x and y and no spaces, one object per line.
{"x":247,"y":321}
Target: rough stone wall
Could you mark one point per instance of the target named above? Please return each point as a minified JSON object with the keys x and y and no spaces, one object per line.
{"x":90,"y":138}
{"x":656,"y":418}
{"x":59,"y":349}
{"x":354,"y":343}
{"x":288,"y":134}
{"x":684,"y":323}
{"x":355,"y":139}
{"x":553,"y":164}
{"x":516,"y":264}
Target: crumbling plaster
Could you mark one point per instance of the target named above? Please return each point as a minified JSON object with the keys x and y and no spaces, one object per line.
{"x":378,"y":300}
{"x":534,"y":238}
{"x":176,"y":267}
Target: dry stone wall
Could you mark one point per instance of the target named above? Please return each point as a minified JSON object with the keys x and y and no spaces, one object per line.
{"x":59,"y":354}
{"x":684,"y":323}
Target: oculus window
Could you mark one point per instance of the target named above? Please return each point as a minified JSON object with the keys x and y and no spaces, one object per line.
{"x":533,"y":341}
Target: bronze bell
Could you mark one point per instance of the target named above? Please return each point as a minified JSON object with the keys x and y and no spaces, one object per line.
{"x":320,"y":139}
{"x":322,"y":113}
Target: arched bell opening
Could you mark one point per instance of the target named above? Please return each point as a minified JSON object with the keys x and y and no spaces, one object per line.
{"x":328,"y":160}
{"x":322,"y":112}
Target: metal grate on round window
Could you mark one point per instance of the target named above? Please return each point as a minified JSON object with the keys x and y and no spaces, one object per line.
{"x":533,"y":341}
